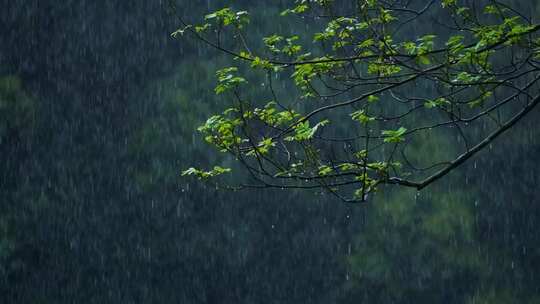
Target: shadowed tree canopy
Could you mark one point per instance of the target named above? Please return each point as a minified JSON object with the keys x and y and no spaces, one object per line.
{"x":354,"y":86}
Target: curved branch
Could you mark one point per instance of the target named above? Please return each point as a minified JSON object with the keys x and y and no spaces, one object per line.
{"x":465,"y":156}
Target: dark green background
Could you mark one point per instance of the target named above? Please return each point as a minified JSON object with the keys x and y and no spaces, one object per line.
{"x":98,"y":111}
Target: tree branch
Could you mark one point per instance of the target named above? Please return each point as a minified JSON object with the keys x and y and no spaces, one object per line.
{"x":465,"y":156}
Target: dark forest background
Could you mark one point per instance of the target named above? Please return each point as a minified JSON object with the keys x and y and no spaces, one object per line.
{"x":98,"y":112}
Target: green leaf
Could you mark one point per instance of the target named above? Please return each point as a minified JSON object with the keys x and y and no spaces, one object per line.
{"x":325,"y":170}
{"x":227,"y":79}
{"x":465,"y":77}
{"x":394,"y":136}
{"x":436,"y":103}
{"x":424,"y":60}
{"x":201,"y":174}
{"x":491,"y":9}
{"x":361,"y":117}
{"x":304,"y":132}
{"x":447,"y":3}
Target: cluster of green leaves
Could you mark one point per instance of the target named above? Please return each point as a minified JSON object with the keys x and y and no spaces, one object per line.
{"x":303,"y":131}
{"x":220,"y":130}
{"x":358,"y":60}
{"x":201,"y":174}
{"x":227,"y":17}
{"x":227,"y":80}
{"x":394,"y":136}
